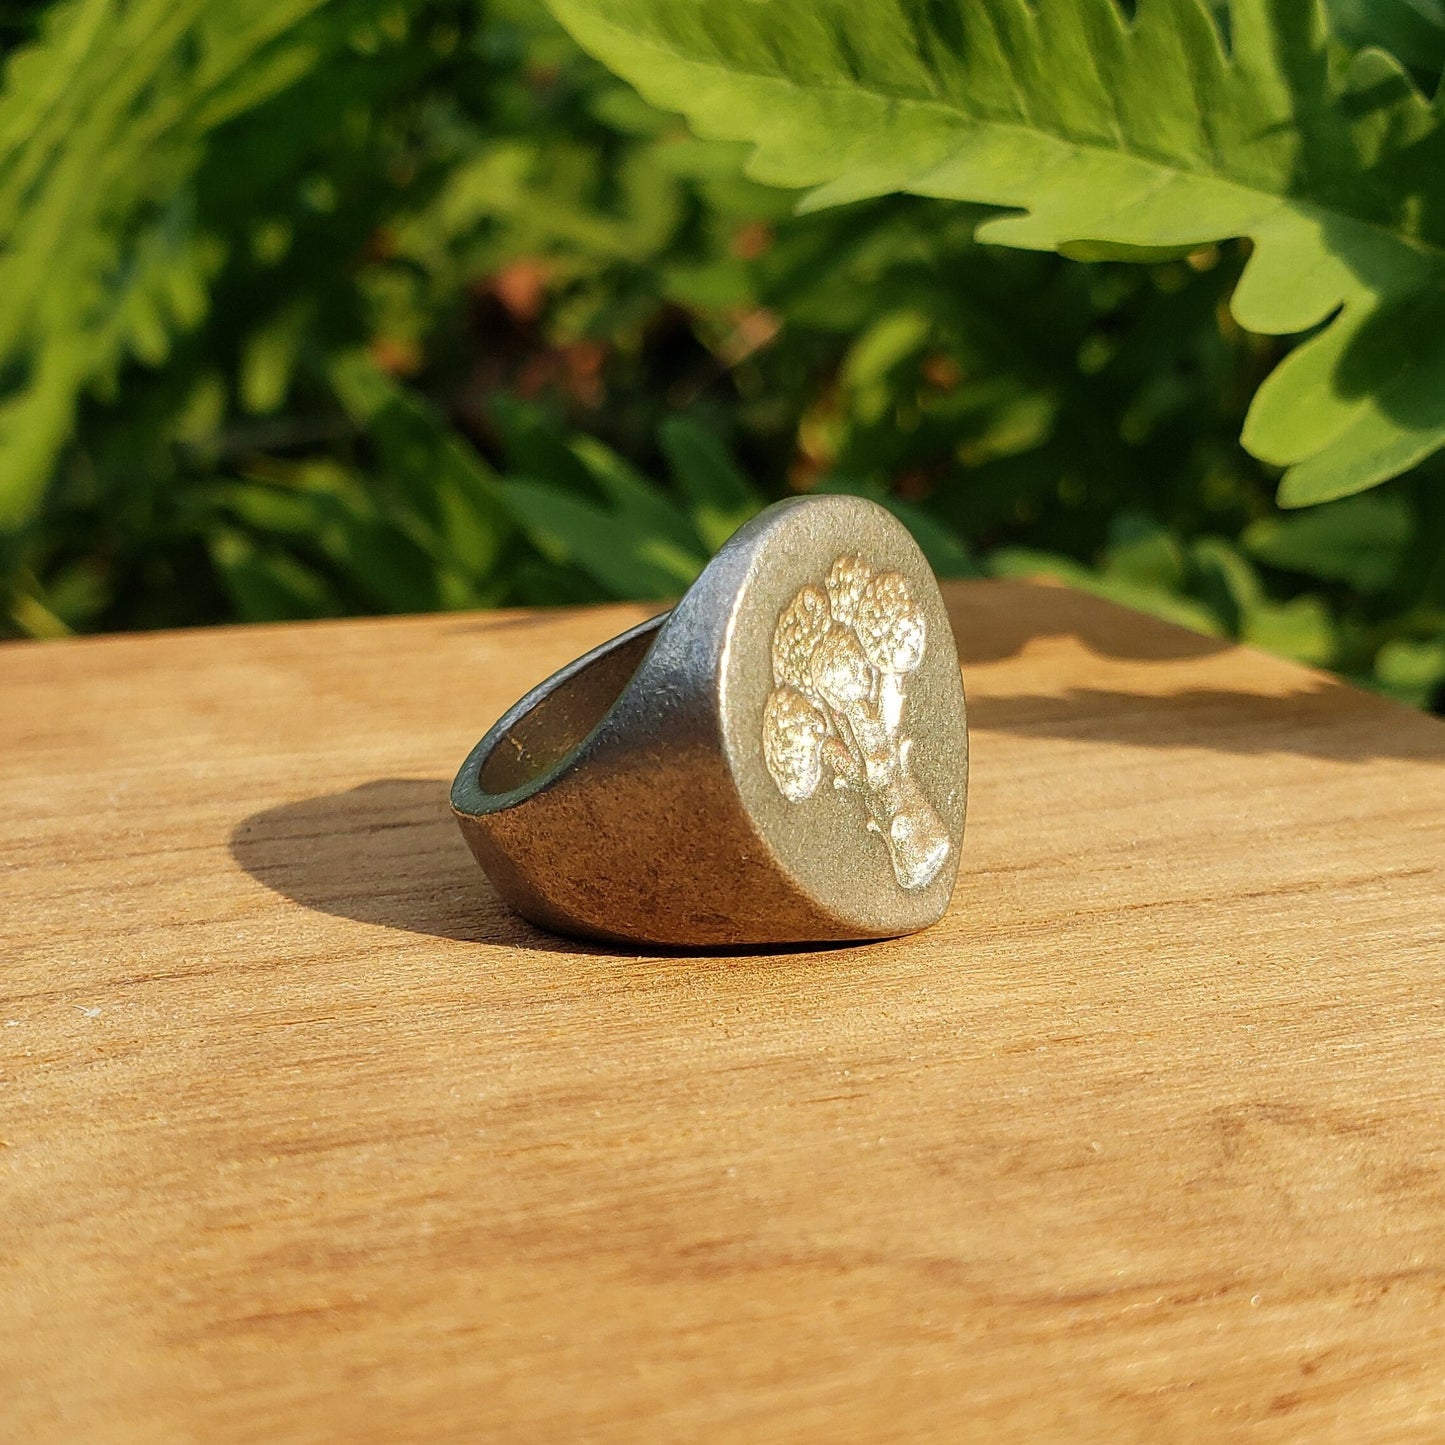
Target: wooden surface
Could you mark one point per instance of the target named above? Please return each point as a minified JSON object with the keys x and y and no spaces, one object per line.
{"x":306,"y":1139}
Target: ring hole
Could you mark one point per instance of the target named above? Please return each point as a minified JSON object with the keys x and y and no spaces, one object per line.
{"x":565,"y":710}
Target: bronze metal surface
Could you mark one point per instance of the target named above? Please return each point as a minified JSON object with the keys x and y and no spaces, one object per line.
{"x":781,"y":758}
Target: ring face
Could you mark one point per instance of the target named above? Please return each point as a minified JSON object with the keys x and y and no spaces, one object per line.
{"x":844,"y":715}
{"x":782,"y":758}
{"x":843,"y":656}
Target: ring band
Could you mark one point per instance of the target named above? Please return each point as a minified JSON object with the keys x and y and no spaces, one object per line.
{"x":781,"y":758}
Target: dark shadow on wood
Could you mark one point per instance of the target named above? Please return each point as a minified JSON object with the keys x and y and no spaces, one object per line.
{"x":388,"y":852}
{"x":1331,"y":720}
{"x":1323,"y":718}
{"x":997,"y":619}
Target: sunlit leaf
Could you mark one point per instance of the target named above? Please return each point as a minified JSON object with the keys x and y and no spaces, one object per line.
{"x":1143,"y":137}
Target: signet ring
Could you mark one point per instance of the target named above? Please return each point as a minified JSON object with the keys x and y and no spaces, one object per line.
{"x":781,"y":758}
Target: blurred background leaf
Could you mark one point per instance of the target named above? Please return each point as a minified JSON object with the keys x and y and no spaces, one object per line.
{"x":313,"y":309}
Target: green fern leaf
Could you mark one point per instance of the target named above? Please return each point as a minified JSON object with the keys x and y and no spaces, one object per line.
{"x":1098,"y":135}
{"x":104,"y":121}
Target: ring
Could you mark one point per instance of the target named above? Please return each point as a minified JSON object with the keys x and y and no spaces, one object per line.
{"x":782,"y":758}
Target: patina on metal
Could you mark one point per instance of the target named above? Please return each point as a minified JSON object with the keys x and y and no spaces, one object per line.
{"x":782,"y":758}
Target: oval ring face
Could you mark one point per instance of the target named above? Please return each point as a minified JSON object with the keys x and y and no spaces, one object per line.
{"x":843,"y":656}
{"x":843,"y":714}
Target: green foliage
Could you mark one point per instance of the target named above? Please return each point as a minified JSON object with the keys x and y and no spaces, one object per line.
{"x":313,"y":309}
{"x":1103,"y":136}
{"x":1413,"y":31}
{"x":104,"y":121}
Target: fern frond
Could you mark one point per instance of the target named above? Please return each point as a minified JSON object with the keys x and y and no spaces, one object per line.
{"x":1098,"y":135}
{"x":104,"y":120}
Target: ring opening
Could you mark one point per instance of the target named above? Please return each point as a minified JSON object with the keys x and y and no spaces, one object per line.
{"x":556,"y":717}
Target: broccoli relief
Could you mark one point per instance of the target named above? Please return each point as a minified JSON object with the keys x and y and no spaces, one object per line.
{"x":842,"y":657}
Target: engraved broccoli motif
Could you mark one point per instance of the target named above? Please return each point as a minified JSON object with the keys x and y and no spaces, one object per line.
{"x":842,"y":657}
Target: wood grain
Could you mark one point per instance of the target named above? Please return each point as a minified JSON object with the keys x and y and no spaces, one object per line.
{"x":305,"y":1138}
